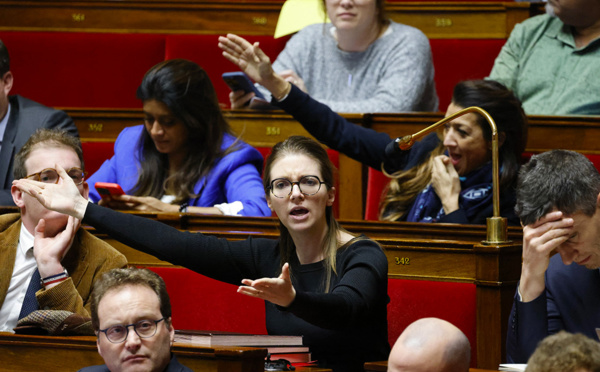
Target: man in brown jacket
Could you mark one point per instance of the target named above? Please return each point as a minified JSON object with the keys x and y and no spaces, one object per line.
{"x":48,"y":262}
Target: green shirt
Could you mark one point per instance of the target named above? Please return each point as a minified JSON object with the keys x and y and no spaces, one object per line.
{"x":545,"y":70}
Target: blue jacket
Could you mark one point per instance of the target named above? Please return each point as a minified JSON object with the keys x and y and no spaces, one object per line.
{"x":570,"y":302}
{"x":235,"y":177}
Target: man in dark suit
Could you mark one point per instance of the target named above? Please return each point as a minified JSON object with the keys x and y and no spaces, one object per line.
{"x":48,"y":262}
{"x":131,"y":314}
{"x":558,"y":202}
{"x":19,"y":118}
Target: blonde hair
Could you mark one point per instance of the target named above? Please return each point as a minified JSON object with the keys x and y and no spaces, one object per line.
{"x":404,"y":186}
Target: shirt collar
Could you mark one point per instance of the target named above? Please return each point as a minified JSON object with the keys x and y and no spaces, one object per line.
{"x":25,"y":240}
{"x":4,"y":123}
{"x":563,"y":33}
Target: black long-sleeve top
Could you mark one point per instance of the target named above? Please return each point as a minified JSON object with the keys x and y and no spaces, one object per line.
{"x":343,"y":328}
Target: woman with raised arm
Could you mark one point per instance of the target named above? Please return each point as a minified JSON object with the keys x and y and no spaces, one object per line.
{"x":317,"y":280}
{"x":445,"y":178}
{"x":185,"y":157}
{"x":360,"y":62}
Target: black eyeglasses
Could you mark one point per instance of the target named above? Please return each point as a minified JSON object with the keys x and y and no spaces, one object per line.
{"x":144,"y":329}
{"x":50,"y":175}
{"x":308,"y":185}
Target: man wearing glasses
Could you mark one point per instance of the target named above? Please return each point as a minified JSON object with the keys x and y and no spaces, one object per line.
{"x":48,"y":261}
{"x":131,"y":314}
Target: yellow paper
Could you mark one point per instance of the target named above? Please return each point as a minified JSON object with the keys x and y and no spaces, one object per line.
{"x":297,"y":14}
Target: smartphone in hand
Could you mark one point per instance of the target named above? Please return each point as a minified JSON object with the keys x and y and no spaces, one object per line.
{"x":240,"y":81}
{"x":107,"y":189}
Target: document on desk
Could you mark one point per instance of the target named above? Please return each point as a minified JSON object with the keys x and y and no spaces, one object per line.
{"x":513,"y":367}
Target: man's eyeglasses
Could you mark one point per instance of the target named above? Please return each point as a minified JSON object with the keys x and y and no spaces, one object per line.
{"x":308,"y":185}
{"x":50,"y":175}
{"x":119,"y":333}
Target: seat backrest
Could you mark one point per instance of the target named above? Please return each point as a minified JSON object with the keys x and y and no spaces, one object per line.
{"x":455,"y":60}
{"x":376,"y":183}
{"x":79,"y":69}
{"x":204,"y":50}
{"x":199,"y":302}
{"x":95,"y":154}
{"x":415,"y":299}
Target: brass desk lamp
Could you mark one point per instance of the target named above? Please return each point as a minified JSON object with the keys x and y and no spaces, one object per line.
{"x":497,"y":231}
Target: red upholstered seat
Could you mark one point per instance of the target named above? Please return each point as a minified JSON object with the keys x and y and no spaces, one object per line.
{"x":204,"y":50}
{"x":95,"y":153}
{"x":461,"y":59}
{"x":376,"y":183}
{"x":414,"y":299}
{"x":199,"y":302}
{"x":77,"y":69}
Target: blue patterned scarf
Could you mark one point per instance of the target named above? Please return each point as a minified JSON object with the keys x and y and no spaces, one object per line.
{"x":475,"y":194}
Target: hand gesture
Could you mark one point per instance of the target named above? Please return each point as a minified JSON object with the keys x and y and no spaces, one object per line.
{"x":539,"y":240}
{"x":50,"y":250}
{"x":445,"y":183}
{"x":248,"y":57}
{"x":63,"y":197}
{"x":279,"y":291}
{"x":254,"y":62}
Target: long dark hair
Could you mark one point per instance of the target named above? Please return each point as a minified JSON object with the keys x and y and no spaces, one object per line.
{"x":503,"y":107}
{"x":184,"y":87}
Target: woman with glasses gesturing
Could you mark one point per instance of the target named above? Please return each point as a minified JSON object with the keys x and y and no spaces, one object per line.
{"x":317,"y":280}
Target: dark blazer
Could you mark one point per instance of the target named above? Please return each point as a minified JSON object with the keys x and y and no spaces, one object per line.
{"x":173,"y":366}
{"x":571,"y":302}
{"x":25,"y":117}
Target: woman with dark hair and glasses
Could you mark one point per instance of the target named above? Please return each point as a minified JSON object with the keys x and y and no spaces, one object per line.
{"x":185,"y":157}
{"x":317,"y":280}
{"x":446,"y":177}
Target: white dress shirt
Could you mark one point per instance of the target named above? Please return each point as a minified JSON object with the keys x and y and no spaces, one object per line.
{"x":25,"y":265}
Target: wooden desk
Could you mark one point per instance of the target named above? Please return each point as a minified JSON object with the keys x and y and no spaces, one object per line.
{"x":467,"y":19}
{"x":26,"y":353}
{"x":382,"y":367}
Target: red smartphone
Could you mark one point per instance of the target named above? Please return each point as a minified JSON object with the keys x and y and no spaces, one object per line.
{"x":106,"y":189}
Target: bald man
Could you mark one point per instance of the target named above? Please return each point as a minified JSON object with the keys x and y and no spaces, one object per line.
{"x":430,"y":344}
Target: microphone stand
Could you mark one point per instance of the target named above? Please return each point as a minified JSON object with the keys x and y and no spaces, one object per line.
{"x":497,"y":227}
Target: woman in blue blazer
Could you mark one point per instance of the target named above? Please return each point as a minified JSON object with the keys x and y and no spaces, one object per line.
{"x":185,"y":156}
